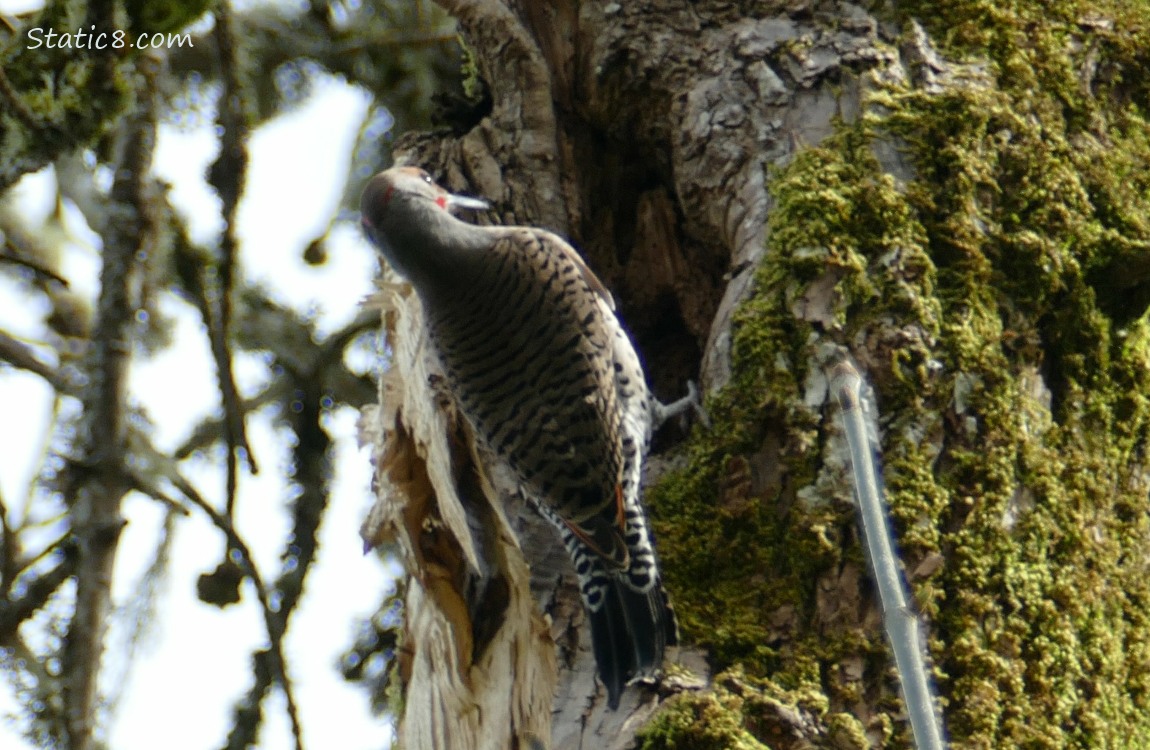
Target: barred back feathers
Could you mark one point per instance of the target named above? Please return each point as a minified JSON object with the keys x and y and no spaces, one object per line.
{"x":549,"y":380}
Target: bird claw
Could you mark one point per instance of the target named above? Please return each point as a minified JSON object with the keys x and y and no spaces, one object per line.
{"x":676,"y":408}
{"x":696,"y":404}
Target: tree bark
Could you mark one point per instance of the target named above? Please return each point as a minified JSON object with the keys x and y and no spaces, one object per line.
{"x":763,"y":188}
{"x":643,"y":132}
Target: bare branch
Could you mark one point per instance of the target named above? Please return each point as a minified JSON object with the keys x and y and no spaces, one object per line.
{"x":277,"y":666}
{"x":20,"y":355}
{"x":901,"y":623}
{"x":145,"y":487}
{"x":303,"y":356}
{"x":96,"y":506}
{"x":16,"y":105}
{"x":8,"y":564}
{"x":35,"y":595}
{"x":15,"y":257}
{"x":226,"y":176}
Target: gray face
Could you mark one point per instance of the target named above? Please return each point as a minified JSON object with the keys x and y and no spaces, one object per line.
{"x":402,"y":184}
{"x":394,"y":203}
{"x":392,"y":187}
{"x":409,"y":219}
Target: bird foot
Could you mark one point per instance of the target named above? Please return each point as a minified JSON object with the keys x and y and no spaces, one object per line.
{"x":691,"y":402}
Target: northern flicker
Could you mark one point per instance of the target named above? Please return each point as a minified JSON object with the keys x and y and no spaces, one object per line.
{"x":546,"y":376}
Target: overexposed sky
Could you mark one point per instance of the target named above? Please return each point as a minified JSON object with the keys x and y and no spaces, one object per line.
{"x":195,"y":664}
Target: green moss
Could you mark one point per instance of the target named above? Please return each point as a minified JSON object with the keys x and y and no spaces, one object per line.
{"x":165,"y":16}
{"x":745,"y":713}
{"x":473,"y":85}
{"x":742,"y":713}
{"x":710,"y":721}
{"x":71,"y":94}
{"x":744,"y":564}
{"x":991,"y":298}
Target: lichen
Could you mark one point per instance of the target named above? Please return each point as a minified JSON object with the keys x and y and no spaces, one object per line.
{"x":71,"y":94}
{"x":717,"y":720}
{"x":989,"y":301}
{"x":747,"y":713}
{"x":699,"y":722}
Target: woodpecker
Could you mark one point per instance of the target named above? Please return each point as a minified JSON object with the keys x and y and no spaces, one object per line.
{"x":544,"y":373}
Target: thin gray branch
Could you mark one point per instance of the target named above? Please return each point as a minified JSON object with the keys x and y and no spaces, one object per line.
{"x":16,"y":258}
{"x":100,"y":472}
{"x":227,"y":177}
{"x":247,"y":565}
{"x":8,"y":564}
{"x":22,"y":356}
{"x":902,"y":625}
{"x":16,"y":105}
{"x":35,"y":595}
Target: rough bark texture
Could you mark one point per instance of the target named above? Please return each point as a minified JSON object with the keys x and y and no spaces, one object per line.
{"x":646,"y":138}
{"x":764,"y":184}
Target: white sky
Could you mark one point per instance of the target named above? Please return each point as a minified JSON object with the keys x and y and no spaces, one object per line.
{"x":195,"y":666}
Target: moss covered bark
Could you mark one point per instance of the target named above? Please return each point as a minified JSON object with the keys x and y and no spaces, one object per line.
{"x":998,"y":301}
{"x":55,"y":99}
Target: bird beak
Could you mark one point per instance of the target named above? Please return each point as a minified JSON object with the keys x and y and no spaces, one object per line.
{"x":462,"y":201}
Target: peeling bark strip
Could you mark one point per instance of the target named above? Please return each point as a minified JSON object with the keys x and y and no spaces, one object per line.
{"x":480,"y":667}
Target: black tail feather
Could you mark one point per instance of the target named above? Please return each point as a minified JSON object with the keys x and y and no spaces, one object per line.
{"x":611,"y":644}
{"x":629,"y":634}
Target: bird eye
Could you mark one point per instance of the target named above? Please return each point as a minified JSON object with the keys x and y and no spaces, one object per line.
{"x":426,"y":177}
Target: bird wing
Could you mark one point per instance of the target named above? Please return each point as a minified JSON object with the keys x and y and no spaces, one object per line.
{"x":594,"y":423}
{"x":556,"y":244}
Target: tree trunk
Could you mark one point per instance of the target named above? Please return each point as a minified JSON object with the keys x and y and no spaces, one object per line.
{"x":764,"y":186}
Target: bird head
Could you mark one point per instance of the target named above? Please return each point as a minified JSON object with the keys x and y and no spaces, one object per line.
{"x":409,"y":219}
{"x":403,"y":194}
